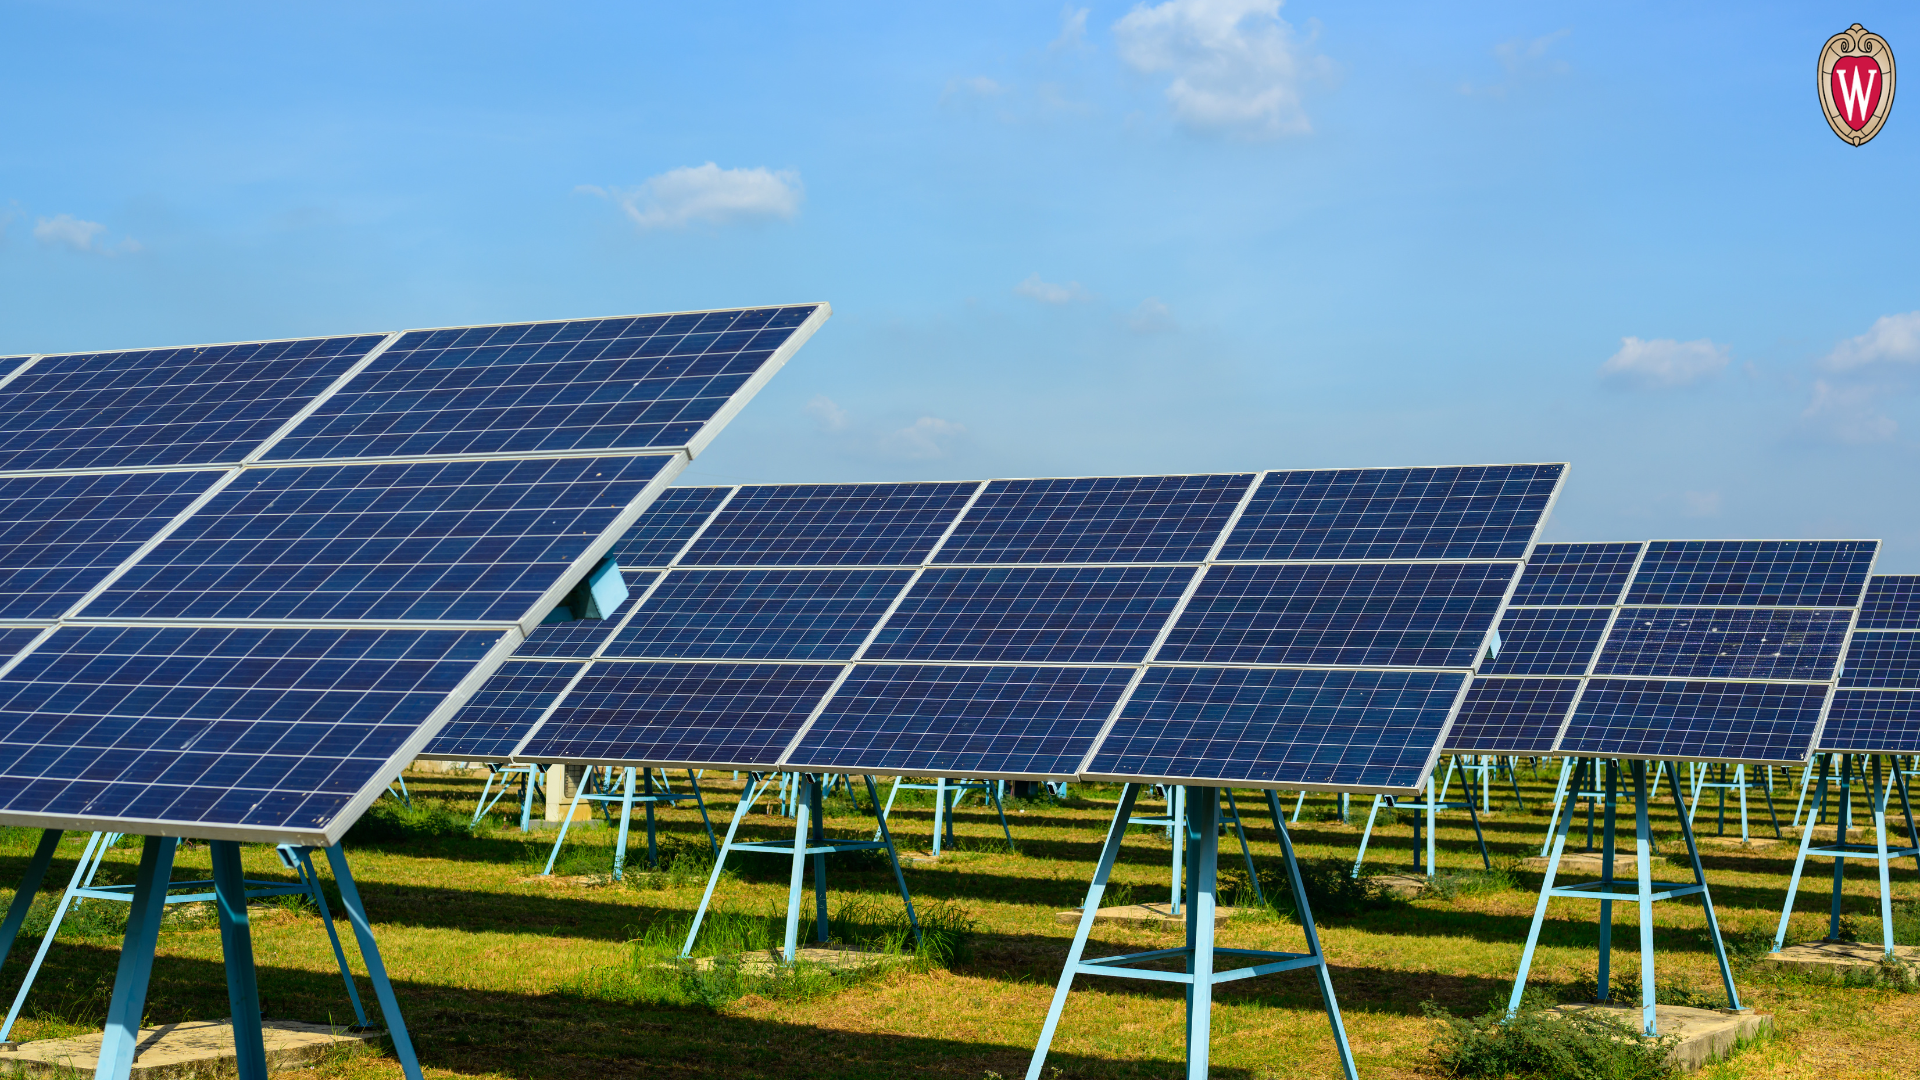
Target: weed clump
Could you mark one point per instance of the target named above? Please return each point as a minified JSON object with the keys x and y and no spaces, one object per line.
{"x":1455,"y":884}
{"x":1536,"y":1043}
{"x":388,"y":821}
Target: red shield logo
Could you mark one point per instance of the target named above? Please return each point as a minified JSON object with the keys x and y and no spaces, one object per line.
{"x":1856,"y":83}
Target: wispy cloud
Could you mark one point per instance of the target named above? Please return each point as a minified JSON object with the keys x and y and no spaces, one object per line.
{"x":1664,"y":362}
{"x":1524,"y":59}
{"x":1236,"y":65}
{"x":709,"y":195}
{"x":1073,"y":29}
{"x":1891,"y":338}
{"x":1849,"y":412}
{"x":831,"y":416}
{"x":67,"y":231}
{"x":927,"y":437}
{"x":1048,"y":293}
{"x":1701,"y":503}
{"x":1150,"y":316}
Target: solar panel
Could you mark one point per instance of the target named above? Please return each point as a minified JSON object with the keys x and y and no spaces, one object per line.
{"x":1754,"y":573}
{"x":252,"y":653}
{"x":1877,"y":708}
{"x":1548,"y":641}
{"x":491,"y":722}
{"x":668,"y":524}
{"x":1695,"y":720}
{"x":141,"y":408}
{"x":1576,"y":575}
{"x":999,"y":628}
{"x":642,"y":383}
{"x":61,"y":535}
{"x":1764,"y":643}
{"x":1476,"y":512}
{"x":1512,"y":716}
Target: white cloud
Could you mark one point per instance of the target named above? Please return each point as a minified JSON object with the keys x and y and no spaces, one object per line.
{"x":1664,"y":361}
{"x":1847,"y":412}
{"x":65,"y":230}
{"x":978,"y":86}
{"x":831,"y":416}
{"x":1891,"y":337}
{"x":927,"y":437}
{"x":1235,"y":64}
{"x":1150,"y":316}
{"x":1525,"y":60}
{"x":1073,"y":29}
{"x":708,"y":194}
{"x":1048,"y":293}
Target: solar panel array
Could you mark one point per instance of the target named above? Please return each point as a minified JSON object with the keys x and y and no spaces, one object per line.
{"x":1707,"y":650}
{"x":1306,"y":628}
{"x":241,"y":585}
{"x":1877,"y":707}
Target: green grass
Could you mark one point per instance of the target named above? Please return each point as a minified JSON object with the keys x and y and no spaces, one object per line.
{"x":505,"y":973}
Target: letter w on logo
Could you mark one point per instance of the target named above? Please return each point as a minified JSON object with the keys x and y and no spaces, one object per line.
{"x":1852,"y":97}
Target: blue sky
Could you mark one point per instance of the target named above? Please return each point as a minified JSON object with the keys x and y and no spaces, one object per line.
{"x":1199,"y":235}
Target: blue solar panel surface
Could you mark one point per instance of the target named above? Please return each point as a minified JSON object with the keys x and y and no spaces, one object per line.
{"x":1097,"y":519}
{"x":1754,"y":573}
{"x":473,"y":539}
{"x":682,"y":714}
{"x":492,"y":721}
{"x":203,"y":405}
{"x":668,"y":524}
{"x":830,"y":525}
{"x":961,"y":721}
{"x":1883,"y":660}
{"x":211,"y":715}
{"x":1470,"y":512}
{"x":1873,"y":722}
{"x":1688,"y":643}
{"x":1512,"y":716}
{"x":1370,"y":615}
{"x":1576,"y":575}
{"x":1892,"y":603}
{"x":229,"y":726}
{"x":61,"y":535}
{"x":968,"y":673}
{"x":1276,"y":725}
{"x":1696,"y":720}
{"x":780,"y":614}
{"x":1548,"y":641}
{"x":1062,"y":615}
{"x":587,"y":384}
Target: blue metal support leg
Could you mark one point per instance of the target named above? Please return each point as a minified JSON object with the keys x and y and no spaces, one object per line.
{"x":756,"y":784}
{"x":376,"y":970}
{"x":129,"y":1001}
{"x":236,"y":942}
{"x":305,"y":855}
{"x":1104,"y":870}
{"x":29,"y":887}
{"x":1320,"y":971}
{"x":1706,"y":896}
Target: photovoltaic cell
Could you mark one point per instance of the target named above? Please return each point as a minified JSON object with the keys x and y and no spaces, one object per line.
{"x":1547,"y":641}
{"x":962,"y":721}
{"x":581,"y":638}
{"x":1280,"y":727}
{"x":1754,"y":573}
{"x":1691,"y":720}
{"x":490,"y":724}
{"x":203,"y":405}
{"x":1575,"y":575}
{"x":588,"y":384}
{"x":473,"y":539}
{"x":830,"y":524}
{"x":759,"y":614}
{"x":1402,"y":615}
{"x":61,"y":535}
{"x":724,"y":716}
{"x":1082,"y":614}
{"x":1685,"y":643}
{"x":15,"y":638}
{"x":1478,"y":512}
{"x":1872,"y":722}
{"x":1096,"y":519}
{"x":1883,"y":661}
{"x":1892,"y":603}
{"x":1512,"y":716}
{"x":270,"y":728}
{"x":667,"y":526}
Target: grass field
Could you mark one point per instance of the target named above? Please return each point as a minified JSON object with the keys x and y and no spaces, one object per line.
{"x":504,"y":973}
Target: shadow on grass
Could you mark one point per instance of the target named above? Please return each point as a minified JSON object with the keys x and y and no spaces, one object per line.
{"x":562,"y":1036}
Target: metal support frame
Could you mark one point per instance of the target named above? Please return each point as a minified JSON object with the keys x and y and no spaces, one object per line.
{"x":81,"y":887}
{"x":1703,"y":782}
{"x":532,"y":778}
{"x":1345,"y":804}
{"x":809,"y":841}
{"x":1429,"y":806}
{"x":1841,"y":850}
{"x":1645,"y":892}
{"x":648,"y":798}
{"x":1202,"y":830}
{"x":943,"y":811}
